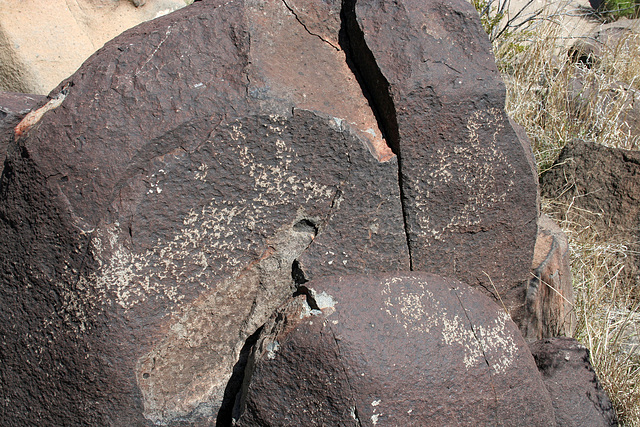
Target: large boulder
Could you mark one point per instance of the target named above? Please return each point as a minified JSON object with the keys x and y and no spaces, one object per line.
{"x":466,"y":182}
{"x":200,"y":168}
{"x":392,"y":350}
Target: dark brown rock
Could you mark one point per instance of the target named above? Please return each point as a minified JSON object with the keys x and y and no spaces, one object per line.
{"x":13,"y":108}
{"x":600,"y":186}
{"x":198,"y":169}
{"x":158,"y":234}
{"x":578,"y":398}
{"x":602,"y":182}
{"x":550,"y":294}
{"x":469,"y":193}
{"x":409,"y":349}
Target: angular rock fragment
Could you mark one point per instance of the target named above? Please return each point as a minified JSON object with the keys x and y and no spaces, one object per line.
{"x":392,"y":349}
{"x":550,"y":293}
{"x":578,"y":399}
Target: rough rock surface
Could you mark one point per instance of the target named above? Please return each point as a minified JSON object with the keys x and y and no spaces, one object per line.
{"x":13,"y":108}
{"x":550,"y":294}
{"x":198,"y":169}
{"x":43,"y":42}
{"x":601,"y":185}
{"x":423,"y":351}
{"x":436,"y":91}
{"x":578,"y":398}
{"x":601,"y":181}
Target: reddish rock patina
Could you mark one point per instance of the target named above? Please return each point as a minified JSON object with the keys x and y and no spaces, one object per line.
{"x":550,"y":293}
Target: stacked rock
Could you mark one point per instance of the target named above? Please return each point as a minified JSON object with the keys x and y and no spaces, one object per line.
{"x":236,"y":214}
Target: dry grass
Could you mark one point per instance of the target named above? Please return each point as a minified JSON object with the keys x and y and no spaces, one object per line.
{"x":558,"y":99}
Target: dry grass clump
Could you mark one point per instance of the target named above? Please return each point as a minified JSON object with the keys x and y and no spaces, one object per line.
{"x":557,"y":98}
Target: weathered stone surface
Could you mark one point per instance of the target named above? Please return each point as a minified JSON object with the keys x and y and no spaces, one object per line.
{"x":168,"y":226}
{"x":198,"y":169}
{"x":467,"y":186}
{"x":550,"y":294}
{"x":600,"y":185}
{"x":600,"y":181}
{"x":407,"y":349}
{"x":578,"y":398}
{"x":42,"y":43}
{"x":13,"y":108}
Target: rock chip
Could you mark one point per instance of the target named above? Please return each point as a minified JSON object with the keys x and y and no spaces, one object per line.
{"x":13,"y":108}
{"x":550,"y":294}
{"x":392,"y":349}
{"x":578,"y":398}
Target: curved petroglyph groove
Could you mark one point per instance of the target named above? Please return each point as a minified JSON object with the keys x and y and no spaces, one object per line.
{"x":207,"y":232}
{"x":418,"y":312}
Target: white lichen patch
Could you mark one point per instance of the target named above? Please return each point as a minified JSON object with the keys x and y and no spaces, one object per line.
{"x":418,"y":311}
{"x":272,"y":349}
{"x":324,"y":300}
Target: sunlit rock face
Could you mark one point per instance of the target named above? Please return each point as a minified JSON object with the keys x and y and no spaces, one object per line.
{"x":195,"y":173}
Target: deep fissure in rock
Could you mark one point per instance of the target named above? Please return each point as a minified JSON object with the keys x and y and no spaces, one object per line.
{"x":375,"y":88}
{"x":297,"y":274}
{"x":233,"y":390}
{"x":311,"y":301}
